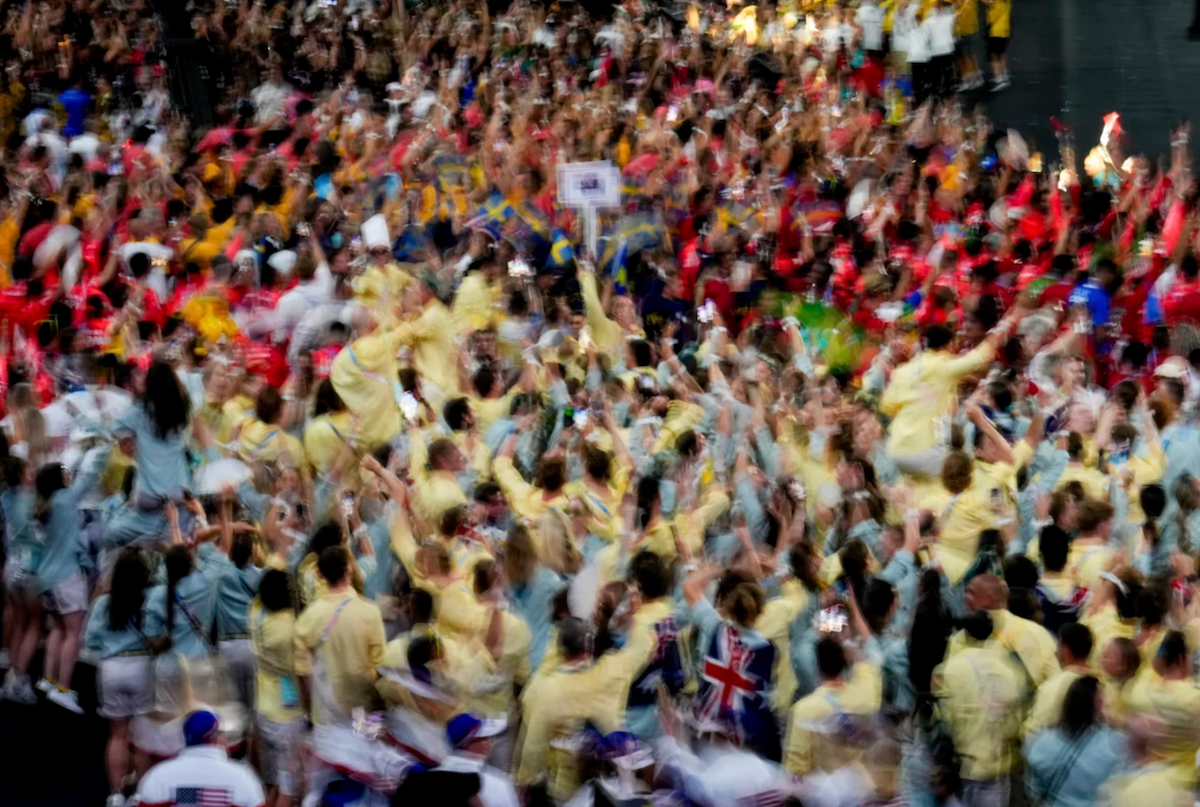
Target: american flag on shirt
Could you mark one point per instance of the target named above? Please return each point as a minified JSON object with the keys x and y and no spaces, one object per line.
{"x":202,"y":797}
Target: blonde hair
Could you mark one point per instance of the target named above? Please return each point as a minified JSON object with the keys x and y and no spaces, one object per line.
{"x":556,"y":544}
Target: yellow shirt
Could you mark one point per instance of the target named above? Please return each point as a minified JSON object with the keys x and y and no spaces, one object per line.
{"x":1033,"y":645}
{"x":9,"y":233}
{"x":352,"y":649}
{"x":492,"y":692}
{"x":435,"y":356}
{"x":1105,"y":626}
{"x":526,"y":500}
{"x":322,"y":444}
{"x":606,"y":333}
{"x":981,"y":694}
{"x":1144,"y":471}
{"x":489,"y":410}
{"x":999,"y":18}
{"x":604,"y":506}
{"x":963,"y":517}
{"x":922,"y":394}
{"x":775,"y":623}
{"x":807,"y":747}
{"x":364,"y":376}
{"x":1095,"y":484}
{"x":197,"y":251}
{"x":1047,"y":704}
{"x":266,"y":442}
{"x":557,"y":704}
{"x":435,"y":491}
{"x":1175,"y":705}
{"x":1085,"y":562}
{"x":273,"y":635}
{"x":474,"y":303}
{"x":966,"y":18}
{"x":1149,"y":785}
{"x":380,"y":285}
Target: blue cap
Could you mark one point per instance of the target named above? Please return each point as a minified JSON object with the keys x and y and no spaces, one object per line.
{"x":464,"y":728}
{"x":201,"y":728}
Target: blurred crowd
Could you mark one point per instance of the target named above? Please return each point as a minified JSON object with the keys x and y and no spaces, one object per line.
{"x":855,"y":463}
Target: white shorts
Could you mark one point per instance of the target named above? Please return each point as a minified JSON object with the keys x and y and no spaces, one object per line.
{"x":124,"y":684}
{"x":68,"y":597}
{"x":18,"y":579}
{"x":281,"y":744}
{"x":161,"y":740}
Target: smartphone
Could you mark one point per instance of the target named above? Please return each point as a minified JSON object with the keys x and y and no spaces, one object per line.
{"x":580,"y":418}
{"x":672,"y":113}
{"x":569,"y":413}
{"x":348,"y":503}
{"x":409,"y":406}
{"x":832,"y":620}
{"x":517,"y":267}
{"x":705,"y":312}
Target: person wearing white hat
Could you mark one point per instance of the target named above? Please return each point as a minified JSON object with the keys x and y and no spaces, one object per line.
{"x":471,"y":741}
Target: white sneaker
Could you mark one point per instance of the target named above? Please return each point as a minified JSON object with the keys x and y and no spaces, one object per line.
{"x":115,"y":800}
{"x":1002,"y":83}
{"x":17,"y":689}
{"x":67,"y":699}
{"x":45,"y":685}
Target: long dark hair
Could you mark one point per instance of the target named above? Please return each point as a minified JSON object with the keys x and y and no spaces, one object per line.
{"x":50,"y":480}
{"x":128,"y":591}
{"x":327,"y":400}
{"x":165,"y":400}
{"x":1079,"y":707}
{"x":179,"y":565}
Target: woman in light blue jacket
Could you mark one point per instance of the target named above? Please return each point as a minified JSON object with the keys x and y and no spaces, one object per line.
{"x":1067,"y":765}
{"x":114,"y":636}
{"x":159,"y":422}
{"x":61,"y":581}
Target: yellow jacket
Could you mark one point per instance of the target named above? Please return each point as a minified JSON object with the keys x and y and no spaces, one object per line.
{"x":526,"y":500}
{"x":435,"y":491}
{"x":1095,"y":484}
{"x":557,"y":704}
{"x":322,"y":444}
{"x":1176,"y":705}
{"x":981,"y":694}
{"x":352,"y":649}
{"x":276,"y":694}
{"x":807,"y":747}
{"x":923,"y":391}
{"x":365,"y":375}
{"x":775,"y":623}
{"x":435,"y":356}
{"x":1033,"y":645}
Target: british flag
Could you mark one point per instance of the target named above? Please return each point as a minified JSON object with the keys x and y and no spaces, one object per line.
{"x":202,"y":797}
{"x":735,"y":678}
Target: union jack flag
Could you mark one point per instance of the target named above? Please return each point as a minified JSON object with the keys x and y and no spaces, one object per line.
{"x":202,"y":797}
{"x":735,"y":678}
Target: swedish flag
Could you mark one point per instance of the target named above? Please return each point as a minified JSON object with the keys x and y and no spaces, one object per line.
{"x":631,"y":235}
{"x":560,"y":250}
{"x":493,"y":216}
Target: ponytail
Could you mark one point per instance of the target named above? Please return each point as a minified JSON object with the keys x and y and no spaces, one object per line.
{"x":179,"y":565}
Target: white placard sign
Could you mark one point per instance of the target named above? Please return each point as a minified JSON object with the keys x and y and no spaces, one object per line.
{"x":588,"y":187}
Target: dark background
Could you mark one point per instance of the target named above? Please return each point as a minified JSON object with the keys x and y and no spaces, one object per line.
{"x":1074,"y":59}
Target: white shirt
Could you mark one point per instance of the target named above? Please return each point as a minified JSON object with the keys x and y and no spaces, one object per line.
{"x":296,"y":302}
{"x":870,"y":18}
{"x":156,"y":279}
{"x":723,"y":775}
{"x":87,"y":145}
{"x":941,"y":31}
{"x":207,"y":770}
{"x":495,"y":787}
{"x":916,"y":40}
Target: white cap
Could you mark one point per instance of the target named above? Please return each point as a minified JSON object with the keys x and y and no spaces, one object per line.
{"x":394,"y":86}
{"x":245,"y":256}
{"x":492,"y":726}
{"x":375,"y":233}
{"x":282,"y":261}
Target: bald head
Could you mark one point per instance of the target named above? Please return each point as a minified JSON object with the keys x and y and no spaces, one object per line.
{"x":987,"y":592}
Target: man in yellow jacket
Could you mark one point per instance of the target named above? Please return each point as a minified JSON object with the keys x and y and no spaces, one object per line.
{"x":981,"y":694}
{"x":921,"y":396}
{"x":814,"y":723}
{"x":1167,"y":694}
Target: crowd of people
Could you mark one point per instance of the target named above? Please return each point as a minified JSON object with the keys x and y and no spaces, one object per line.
{"x":855,"y":464}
